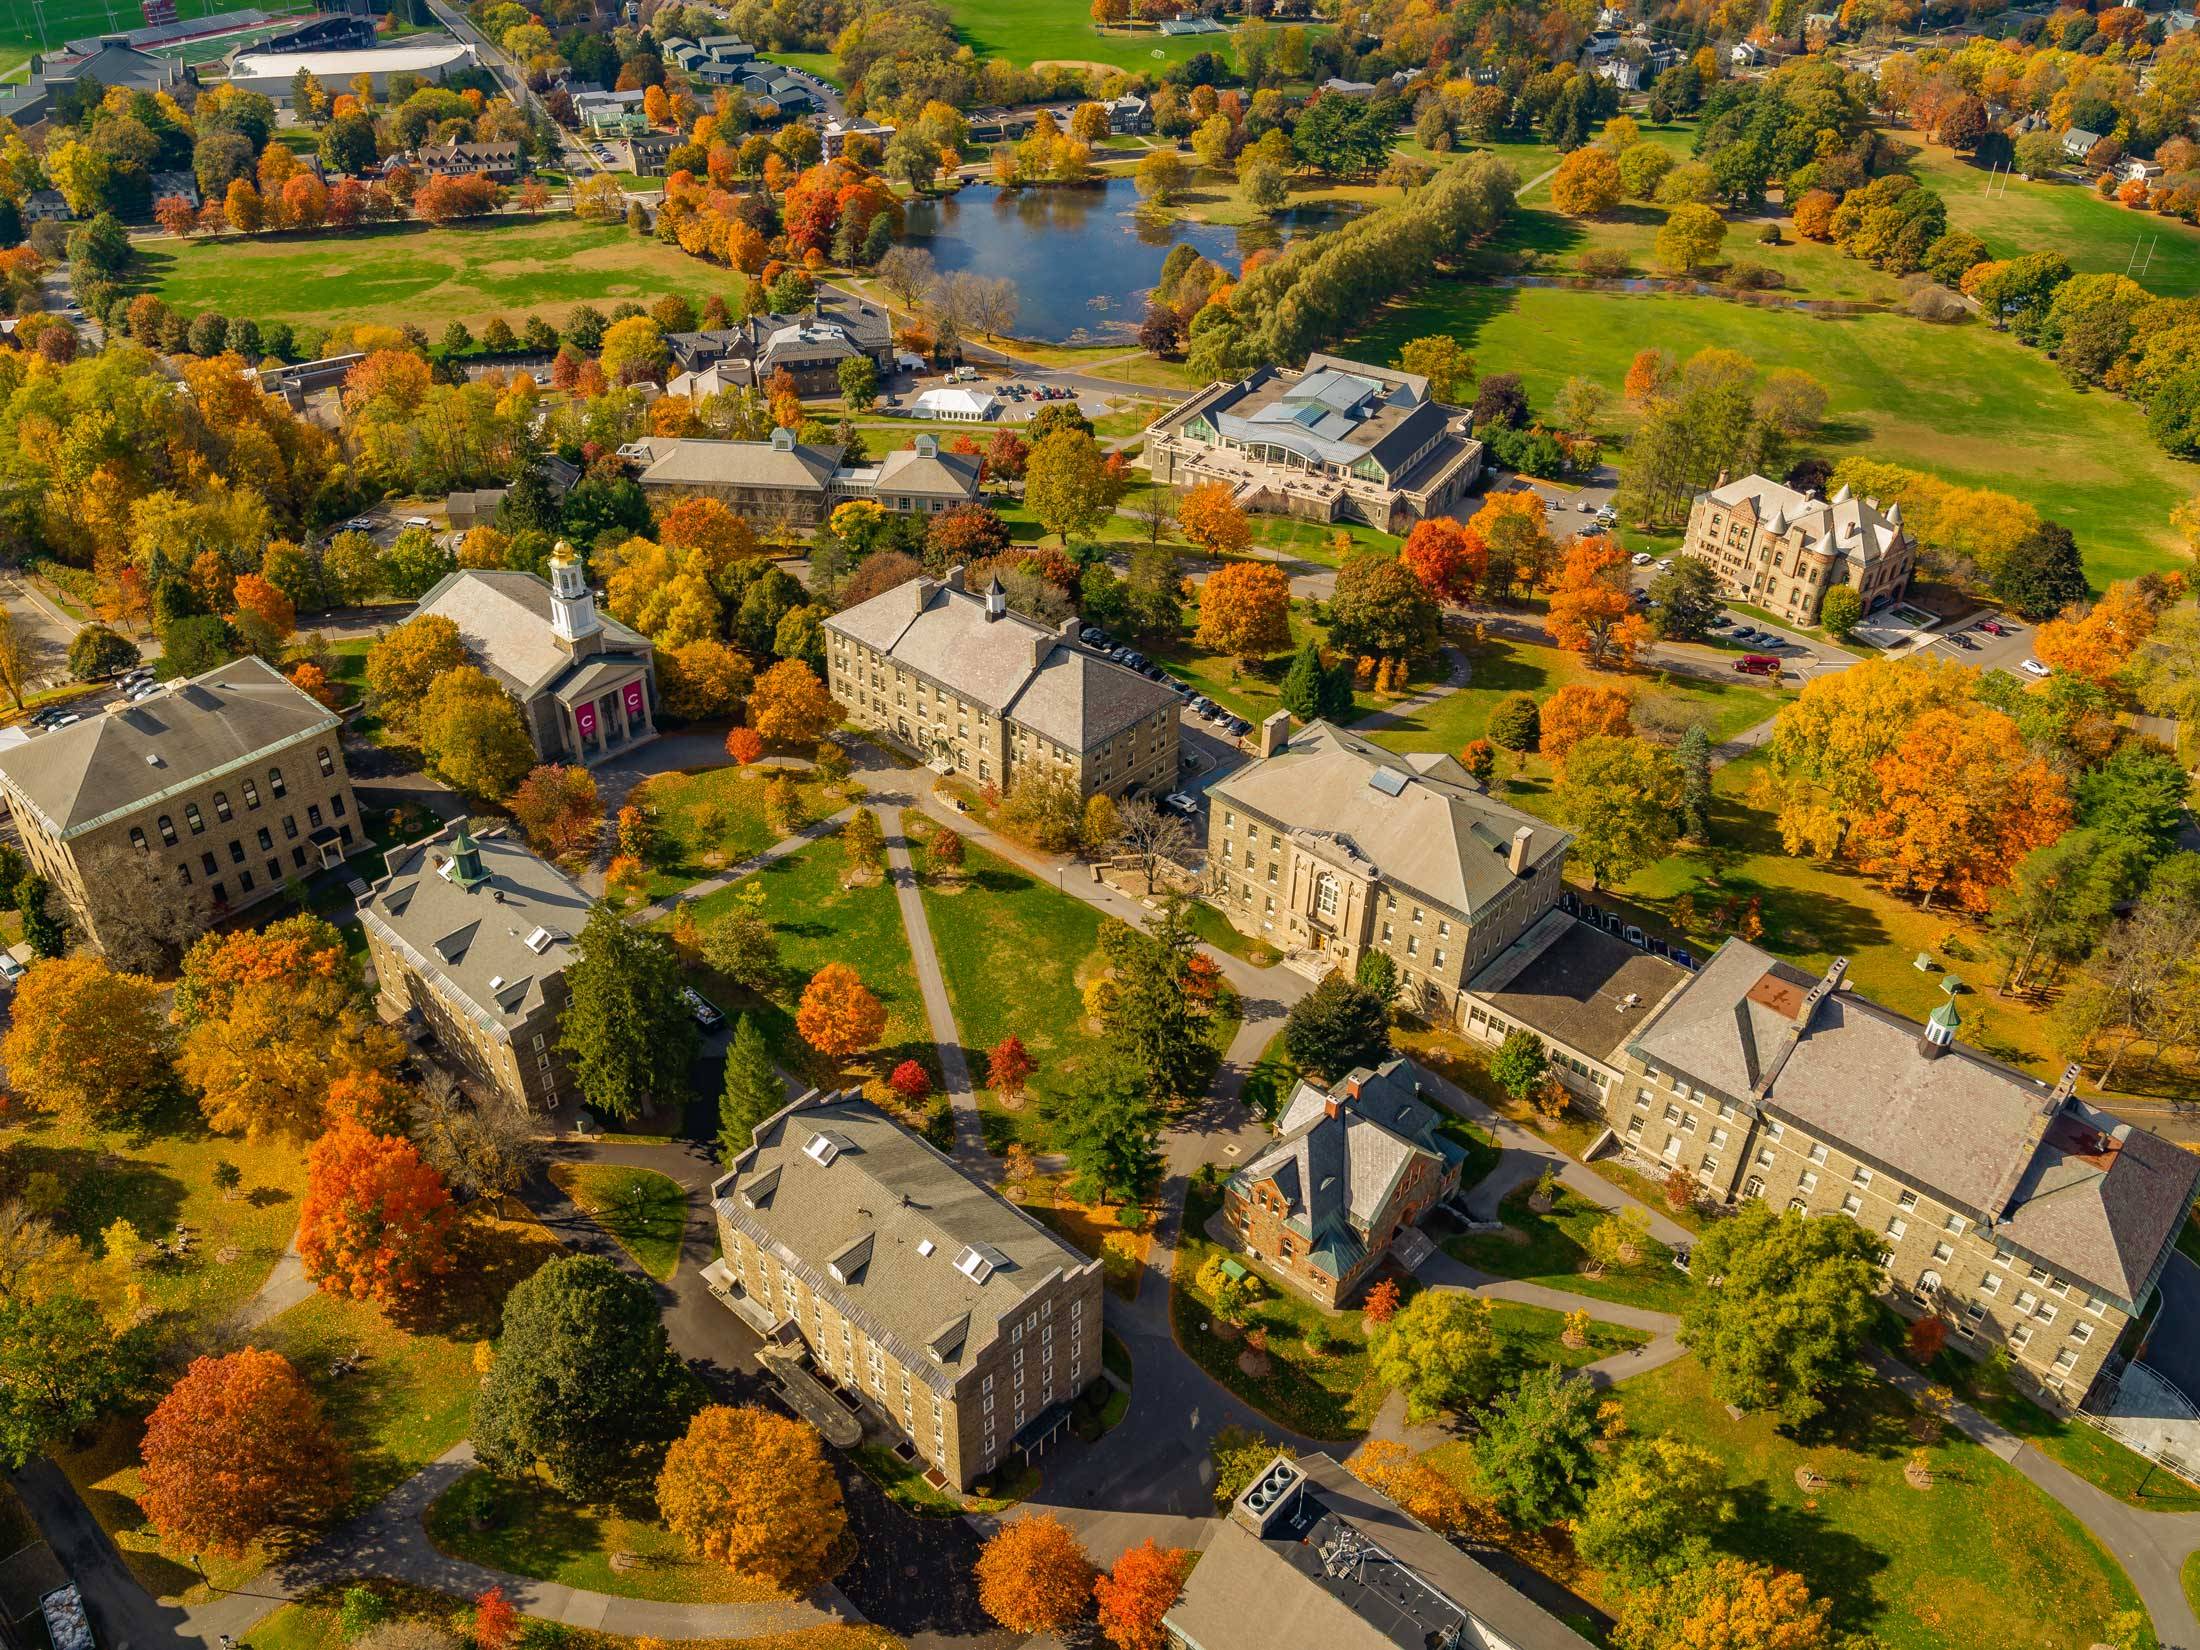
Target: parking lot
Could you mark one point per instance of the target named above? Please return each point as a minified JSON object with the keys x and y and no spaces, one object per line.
{"x":1209,"y":737}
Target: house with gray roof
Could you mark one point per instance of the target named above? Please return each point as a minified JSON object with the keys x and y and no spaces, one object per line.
{"x":1337,"y":440}
{"x":1346,"y":1181}
{"x":809,"y":345}
{"x":586,"y":685}
{"x":1329,"y":847}
{"x":787,"y":483}
{"x":1782,"y":550}
{"x":1310,"y":1556}
{"x":201,"y":799}
{"x":883,"y":1270}
{"x":981,"y":691}
{"x":2023,"y":1216}
{"x":470,"y":938}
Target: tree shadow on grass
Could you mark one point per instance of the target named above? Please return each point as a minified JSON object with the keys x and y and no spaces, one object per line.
{"x":1834,"y":1563}
{"x":99,"y":1188}
{"x":521,"y":1526}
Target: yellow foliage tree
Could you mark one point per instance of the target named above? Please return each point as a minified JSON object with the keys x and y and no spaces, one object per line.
{"x":754,"y":1491}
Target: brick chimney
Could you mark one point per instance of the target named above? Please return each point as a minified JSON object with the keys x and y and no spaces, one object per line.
{"x":1275,"y":732}
{"x":1516,"y":856}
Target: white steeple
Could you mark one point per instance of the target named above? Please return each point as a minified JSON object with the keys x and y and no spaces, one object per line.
{"x":572,"y":608}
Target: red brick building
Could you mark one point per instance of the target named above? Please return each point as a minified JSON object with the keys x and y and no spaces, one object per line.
{"x":1350,"y":1170}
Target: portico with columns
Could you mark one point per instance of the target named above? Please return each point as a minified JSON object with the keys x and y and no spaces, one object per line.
{"x":586,"y":685}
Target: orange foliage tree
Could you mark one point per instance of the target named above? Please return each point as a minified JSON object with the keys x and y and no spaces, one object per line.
{"x":496,"y":1621}
{"x":1447,"y":559}
{"x":1963,"y":798}
{"x":1245,"y":610}
{"x":1033,"y":1575}
{"x":376,"y":1221}
{"x":558,"y":807}
{"x":1381,"y":1304}
{"x":789,"y":705}
{"x":1729,"y":1603}
{"x":839,"y":1015}
{"x":706,"y":525}
{"x":1512,"y":531}
{"x":1576,"y":712}
{"x":1212,"y":519}
{"x":754,"y":1491}
{"x":374,"y":1100}
{"x":312,"y":681}
{"x":238,"y":1448}
{"x":2097,"y":642}
{"x":1135,"y":1595}
{"x":1590,"y":611}
{"x":1392,"y":1468}
{"x":744,"y":745}
{"x":1650,"y":375}
{"x":292,"y":953}
{"x":262,"y":601}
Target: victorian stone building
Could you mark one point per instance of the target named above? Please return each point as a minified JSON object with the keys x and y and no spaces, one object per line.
{"x":1329,"y":847}
{"x":204,"y":798}
{"x":1782,"y":550}
{"x":947,"y":1313}
{"x":983,"y":692}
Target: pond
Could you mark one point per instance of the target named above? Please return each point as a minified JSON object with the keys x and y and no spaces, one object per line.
{"x":1083,"y":257}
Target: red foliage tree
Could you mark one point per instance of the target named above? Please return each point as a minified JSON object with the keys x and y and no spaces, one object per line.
{"x":910,"y":1080}
{"x":1447,"y":560}
{"x":1009,"y":1065}
{"x":496,"y":1621}
{"x":744,"y":745}
{"x":376,"y":1220}
{"x":1136,"y":1594}
{"x":239,"y":1447}
{"x":1925,"y":1338}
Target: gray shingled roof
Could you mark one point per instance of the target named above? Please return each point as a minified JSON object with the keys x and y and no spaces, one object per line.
{"x":504,"y":620}
{"x":79,"y":777}
{"x":2083,"y":1191}
{"x":1255,"y":1592}
{"x":476,"y":939}
{"x":1440,"y":835}
{"x":899,"y":1218}
{"x":1010,"y":665}
{"x":925,"y":470}
{"x":696,"y":462}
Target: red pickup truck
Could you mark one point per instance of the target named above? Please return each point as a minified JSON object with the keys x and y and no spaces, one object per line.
{"x":1757,"y":664}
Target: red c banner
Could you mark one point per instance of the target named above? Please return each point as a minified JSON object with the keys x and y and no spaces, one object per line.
{"x":634,"y":699}
{"x":584,"y":718}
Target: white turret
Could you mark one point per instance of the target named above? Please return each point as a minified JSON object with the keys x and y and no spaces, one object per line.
{"x":572,"y":608}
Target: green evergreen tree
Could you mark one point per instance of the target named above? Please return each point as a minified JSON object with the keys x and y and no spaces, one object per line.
{"x":752,"y":1093}
{"x":1377,"y":975}
{"x":1304,"y":684}
{"x":1537,"y":1455}
{"x":1337,"y":1027}
{"x":624,"y":1025}
{"x":1111,"y":1133}
{"x":1515,"y":724}
{"x":584,"y":1383}
{"x":1153,"y":1024}
{"x":45,"y":932}
{"x":1695,"y":760}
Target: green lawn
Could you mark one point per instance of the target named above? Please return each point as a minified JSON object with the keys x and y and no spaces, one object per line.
{"x":817,"y":920}
{"x":528,"y":1529}
{"x":1503,"y":666}
{"x":408,"y":1400}
{"x":710,"y":819}
{"x":314,"y":1623}
{"x":1062,"y":33}
{"x":1332,"y":1394}
{"x":646,"y":1212}
{"x":2013,"y":216}
{"x":1553,"y":1248}
{"x":56,"y":21}
{"x":511,"y":267}
{"x":1962,"y":401}
{"x":1980,"y":1561}
{"x":1016,"y":954}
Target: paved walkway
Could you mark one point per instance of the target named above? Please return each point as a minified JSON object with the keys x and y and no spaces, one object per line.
{"x":1458,"y":672}
{"x":939,"y":1013}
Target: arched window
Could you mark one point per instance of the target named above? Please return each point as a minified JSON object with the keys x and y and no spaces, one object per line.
{"x":1325,"y":894}
{"x":167,"y":830}
{"x":1754,"y":1186}
{"x":251,"y":794}
{"x":328,"y":762}
{"x":221,"y":806}
{"x":192,"y":818}
{"x":137,"y":841}
{"x":1928,"y":1283}
{"x":275,"y":781}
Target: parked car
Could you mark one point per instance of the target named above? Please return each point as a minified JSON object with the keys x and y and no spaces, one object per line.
{"x":1756,"y":664}
{"x":1962,"y":641}
{"x":418,"y":521}
{"x":1180,"y":802}
{"x":2032,"y":667}
{"x":1665,"y":564}
{"x":10,"y":969}
{"x":1607,"y":516}
{"x":1643,"y":558}
{"x":701,"y":1009}
{"x":1993,"y":627}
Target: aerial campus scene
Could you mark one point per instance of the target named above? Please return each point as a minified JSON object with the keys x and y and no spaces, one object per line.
{"x":1162,"y":824}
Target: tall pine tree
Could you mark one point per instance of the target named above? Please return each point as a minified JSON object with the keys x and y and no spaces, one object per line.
{"x":752,"y":1092}
{"x":1695,"y":760}
{"x":1110,"y":1130}
{"x":1155,"y":1025}
{"x":624,"y":1025}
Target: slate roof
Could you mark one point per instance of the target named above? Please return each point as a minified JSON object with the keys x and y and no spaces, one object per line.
{"x":476,"y":939}
{"x":1588,"y":989}
{"x":899,"y":1219}
{"x":1410,"y":1589}
{"x":504,"y":620}
{"x":928,"y":472}
{"x":1337,"y":1173}
{"x":113,"y":764}
{"x":2077,"y":1188}
{"x":1842,"y":526}
{"x":1422,"y":822}
{"x":786,"y":466}
{"x":1009,"y":665}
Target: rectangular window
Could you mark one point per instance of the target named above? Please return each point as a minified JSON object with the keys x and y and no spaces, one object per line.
{"x":1818,"y":1154}
{"x":1862,"y":1176}
{"x":313,"y":815}
{"x":1896,"y":1227}
{"x":1907,"y":1200}
{"x":290,"y":827}
{"x":236,"y":852}
{"x":1989,"y":1284}
{"x":1942,"y":1253}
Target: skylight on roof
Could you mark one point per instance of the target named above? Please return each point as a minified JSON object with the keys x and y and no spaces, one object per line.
{"x":1389,"y":781}
{"x":925,"y":1246}
{"x":822,"y":1149}
{"x":540,"y":941}
{"x":973,"y":1266}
